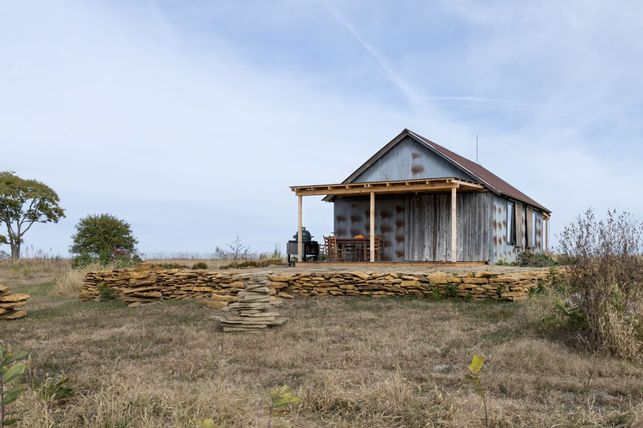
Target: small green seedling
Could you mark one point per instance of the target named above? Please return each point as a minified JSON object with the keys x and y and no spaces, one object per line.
{"x":475,"y":368}
{"x":55,"y":389}
{"x":207,"y":423}
{"x":12,"y":368}
{"x":282,"y":397}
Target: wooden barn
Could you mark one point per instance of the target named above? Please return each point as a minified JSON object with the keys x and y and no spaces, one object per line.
{"x":415,"y":200}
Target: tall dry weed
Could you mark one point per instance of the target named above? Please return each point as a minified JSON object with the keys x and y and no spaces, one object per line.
{"x":69,"y":282}
{"x":604,"y":276}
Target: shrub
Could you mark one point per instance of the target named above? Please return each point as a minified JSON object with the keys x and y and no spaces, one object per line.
{"x":605,"y":281}
{"x":451,"y":291}
{"x":531,"y":259}
{"x":169,"y":265}
{"x":103,"y":239}
{"x":200,"y":265}
{"x":105,"y":292}
{"x":252,"y":263}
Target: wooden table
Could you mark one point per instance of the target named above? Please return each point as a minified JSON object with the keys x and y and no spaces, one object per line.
{"x":353,"y":249}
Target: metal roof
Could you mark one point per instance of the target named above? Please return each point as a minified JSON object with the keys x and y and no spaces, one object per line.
{"x":480,"y":173}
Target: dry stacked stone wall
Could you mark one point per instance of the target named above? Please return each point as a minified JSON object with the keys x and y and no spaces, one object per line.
{"x":222,"y":287}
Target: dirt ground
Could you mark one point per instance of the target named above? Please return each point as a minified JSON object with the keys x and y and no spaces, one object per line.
{"x":389,"y":362}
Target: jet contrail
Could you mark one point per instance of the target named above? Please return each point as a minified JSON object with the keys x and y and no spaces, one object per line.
{"x":406,"y":90}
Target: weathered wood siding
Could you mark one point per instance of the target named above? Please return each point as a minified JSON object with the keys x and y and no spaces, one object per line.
{"x":429,"y":227}
{"x":410,"y":160}
{"x":501,"y":249}
{"x":418,"y":227}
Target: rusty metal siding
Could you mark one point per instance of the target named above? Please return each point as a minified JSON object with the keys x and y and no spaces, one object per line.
{"x":410,"y":160}
{"x":352,"y":218}
{"x":418,"y":227}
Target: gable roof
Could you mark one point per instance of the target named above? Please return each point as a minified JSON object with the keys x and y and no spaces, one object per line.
{"x":477,"y":171}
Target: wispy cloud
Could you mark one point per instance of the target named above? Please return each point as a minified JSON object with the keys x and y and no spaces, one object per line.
{"x":389,"y":72}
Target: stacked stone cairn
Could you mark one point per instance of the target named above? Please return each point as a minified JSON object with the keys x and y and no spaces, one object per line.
{"x":12,"y":306}
{"x":254,"y":308}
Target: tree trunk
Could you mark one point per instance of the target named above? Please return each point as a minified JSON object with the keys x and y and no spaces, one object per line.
{"x":15,"y":251}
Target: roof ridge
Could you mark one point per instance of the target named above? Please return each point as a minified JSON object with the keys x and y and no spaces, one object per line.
{"x":478,"y":171}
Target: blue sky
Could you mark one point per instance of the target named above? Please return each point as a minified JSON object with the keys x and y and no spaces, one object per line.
{"x":191,"y":119}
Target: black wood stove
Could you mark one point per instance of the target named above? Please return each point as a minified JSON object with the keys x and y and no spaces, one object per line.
{"x":311,"y":248}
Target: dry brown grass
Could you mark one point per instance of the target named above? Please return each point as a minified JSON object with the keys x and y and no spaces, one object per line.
{"x":354,"y":361}
{"x":69,"y":282}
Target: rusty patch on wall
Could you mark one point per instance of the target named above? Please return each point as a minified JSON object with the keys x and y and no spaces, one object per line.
{"x":399,"y":223}
{"x":385,"y":214}
{"x":415,"y":155}
{"x":417,"y":169}
{"x":340,"y":219}
{"x":385,"y":228}
{"x":356,"y":218}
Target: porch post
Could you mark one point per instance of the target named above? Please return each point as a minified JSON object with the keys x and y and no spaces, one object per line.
{"x":372,"y":226}
{"x":547,"y":235}
{"x":300,"y":238}
{"x":454,"y":226}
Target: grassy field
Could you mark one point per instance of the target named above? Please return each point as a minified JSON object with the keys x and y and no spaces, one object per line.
{"x":353,"y":361}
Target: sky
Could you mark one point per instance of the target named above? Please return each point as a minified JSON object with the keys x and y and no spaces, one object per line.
{"x":190,"y":120}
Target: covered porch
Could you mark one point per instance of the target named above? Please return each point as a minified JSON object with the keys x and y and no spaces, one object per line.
{"x":369,"y":246}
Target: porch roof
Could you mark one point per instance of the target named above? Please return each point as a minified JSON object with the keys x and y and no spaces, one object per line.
{"x":394,"y":186}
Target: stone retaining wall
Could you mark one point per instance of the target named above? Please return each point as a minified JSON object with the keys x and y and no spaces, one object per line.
{"x":222,"y":287}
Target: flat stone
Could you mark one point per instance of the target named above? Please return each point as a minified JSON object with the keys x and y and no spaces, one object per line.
{"x":232,"y":329}
{"x":224,"y":298}
{"x":13,"y":305}
{"x":9,"y":298}
{"x":285,"y":295}
{"x":281,"y":278}
{"x":472,"y":280}
{"x":14,"y":315}
{"x":139,"y":289}
{"x":215,"y":304}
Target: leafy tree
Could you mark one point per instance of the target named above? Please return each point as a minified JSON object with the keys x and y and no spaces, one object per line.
{"x":23,"y":203}
{"x":103,"y":238}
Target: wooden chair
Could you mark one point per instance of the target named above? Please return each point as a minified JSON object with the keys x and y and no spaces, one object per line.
{"x":378,"y":249}
{"x":331,"y":248}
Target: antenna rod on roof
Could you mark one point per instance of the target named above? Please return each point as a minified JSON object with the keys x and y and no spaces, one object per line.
{"x":477,"y":148}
